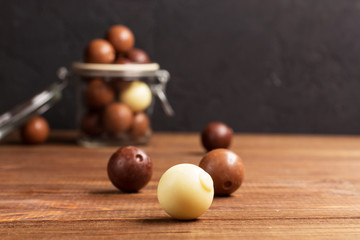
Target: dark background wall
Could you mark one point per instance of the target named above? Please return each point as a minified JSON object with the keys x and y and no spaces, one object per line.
{"x":260,"y":66}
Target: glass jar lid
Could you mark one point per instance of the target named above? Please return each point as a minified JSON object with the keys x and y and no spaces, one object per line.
{"x":115,"y":70}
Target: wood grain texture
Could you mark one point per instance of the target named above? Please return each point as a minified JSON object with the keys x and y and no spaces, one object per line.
{"x":296,"y":187}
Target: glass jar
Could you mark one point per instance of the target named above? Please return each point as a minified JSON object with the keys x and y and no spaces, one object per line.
{"x":115,"y":102}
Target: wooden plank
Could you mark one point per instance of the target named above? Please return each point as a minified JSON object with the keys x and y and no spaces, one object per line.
{"x":296,"y":187}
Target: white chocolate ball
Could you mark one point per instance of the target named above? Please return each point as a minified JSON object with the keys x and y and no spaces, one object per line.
{"x":137,"y":96}
{"x":185,"y":191}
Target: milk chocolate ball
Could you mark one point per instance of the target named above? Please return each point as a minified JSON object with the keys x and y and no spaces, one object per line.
{"x":138,"y":56}
{"x":117,"y":117}
{"x":216,"y":135}
{"x":91,"y":124}
{"x":121,"y":38}
{"x":225,"y":168}
{"x":98,"y":94}
{"x":99,"y":51}
{"x":140,"y":125}
{"x":129,"y":169}
{"x":35,"y":131}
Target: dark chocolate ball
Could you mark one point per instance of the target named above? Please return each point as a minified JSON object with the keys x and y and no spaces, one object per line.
{"x":129,"y":169}
{"x":225,"y":168}
{"x":137,"y":55}
{"x":99,"y":51}
{"x":98,"y":94}
{"x":35,"y":131}
{"x":216,"y":135}
{"x":121,"y":38}
{"x":91,"y":124}
{"x":117,"y":117}
{"x":140,"y":125}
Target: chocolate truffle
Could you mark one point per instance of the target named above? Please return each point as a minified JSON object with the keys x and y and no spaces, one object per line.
{"x":137,"y":55}
{"x":226,"y":169}
{"x":90,"y":124}
{"x":137,"y":96}
{"x":35,"y":131}
{"x":185,"y":191}
{"x":99,"y":51}
{"x":118,"y":84}
{"x":140,"y":125}
{"x":129,"y":169}
{"x":121,"y":38}
{"x":117,"y":117}
{"x":216,"y":135}
{"x":122,"y":60}
{"x":98,"y":94}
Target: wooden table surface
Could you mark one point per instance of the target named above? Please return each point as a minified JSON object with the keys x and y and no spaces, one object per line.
{"x":296,"y":187}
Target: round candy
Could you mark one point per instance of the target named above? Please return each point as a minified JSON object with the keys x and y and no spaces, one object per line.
{"x":185,"y":191}
{"x":140,"y":125}
{"x":98,"y":94}
{"x":216,"y":135}
{"x":138,"y":56}
{"x":121,"y":38}
{"x":117,"y":117}
{"x":118,"y":84}
{"x":137,"y":96}
{"x":99,"y":51}
{"x":35,"y":131}
{"x":90,"y":124}
{"x":226,"y":169}
{"x":129,"y":169}
{"x":122,"y":60}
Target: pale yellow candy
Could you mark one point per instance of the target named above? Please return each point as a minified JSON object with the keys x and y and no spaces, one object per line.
{"x":137,"y":96}
{"x":185,"y":191}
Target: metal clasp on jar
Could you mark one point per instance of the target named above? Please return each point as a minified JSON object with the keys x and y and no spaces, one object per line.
{"x":160,"y":90}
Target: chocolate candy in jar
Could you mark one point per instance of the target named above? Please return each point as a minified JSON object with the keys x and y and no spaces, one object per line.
{"x":98,"y":94}
{"x":121,"y":37}
{"x":137,"y":95}
{"x":99,"y":51}
{"x":91,"y":124}
{"x":138,"y":55}
{"x":117,"y":118}
{"x":140,"y":126}
{"x":123,"y":96}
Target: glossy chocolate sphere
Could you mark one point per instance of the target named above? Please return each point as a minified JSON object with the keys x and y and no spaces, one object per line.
{"x":121,"y":38}
{"x":225,"y":168}
{"x":216,"y":135}
{"x":129,"y":169}
{"x":99,"y":51}
{"x":137,"y":55}
{"x":140,"y":125}
{"x":117,"y":117}
{"x":35,"y":131}
{"x":98,"y":94}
